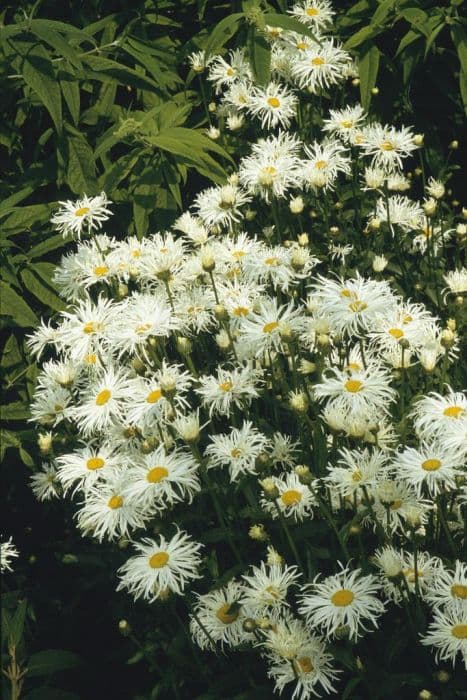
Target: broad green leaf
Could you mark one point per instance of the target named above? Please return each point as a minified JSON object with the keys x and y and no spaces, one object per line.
{"x":222,"y":32}
{"x":11,"y":355}
{"x":39,"y":74}
{"x":368,"y":65}
{"x":44,"y":663}
{"x":70,"y":89}
{"x":406,"y":40}
{"x":45,"y":246}
{"x":118,"y":171}
{"x":16,"y":626}
{"x":18,"y":410}
{"x":81,"y":171}
{"x":7,"y":439}
{"x":383,"y":10}
{"x":260,"y":57}
{"x":290,"y":24}
{"x":23,"y":218}
{"x":414,"y":15}
{"x":369,"y":32}
{"x":111,"y":70}
{"x":34,"y":284}
{"x":11,"y":304}
{"x":432,"y":37}
{"x":77,"y":35}
{"x":57,"y":42}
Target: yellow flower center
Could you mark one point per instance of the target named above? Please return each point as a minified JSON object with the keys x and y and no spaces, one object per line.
{"x":136,"y":253}
{"x":225,"y":616}
{"x":453,"y":411}
{"x":346,"y":124}
{"x":387,"y":146}
{"x":101,"y":270}
{"x":231,"y":72}
{"x":268,"y":175}
{"x":142,"y":328}
{"x":357,"y":475}
{"x":395,"y":505}
{"x":237,"y":254}
{"x":342,"y":598}
{"x":407,"y":319}
{"x":318,"y":61}
{"x":241,"y":311}
{"x":291,"y":497}
{"x":82,"y":211}
{"x":236,"y":452}
{"x":312,"y":11}
{"x":91,"y":359}
{"x":410,"y":574}
{"x":273,"y":592}
{"x":272,"y":262}
{"x":304,"y":664}
{"x":270,"y":327}
{"x":103,"y":397}
{"x":321,"y":164}
{"x":158,"y":560}
{"x":274,"y":102}
{"x":458,"y":590}
{"x":154,"y":396}
{"x":157,"y":474}
{"x":347,"y":293}
{"x":301,"y":46}
{"x":353,"y":367}
{"x":225,"y":386}
{"x":95,"y":463}
{"x":431,"y":465}
{"x":396,"y":333}
{"x":459,"y":631}
{"x":90,"y":327}
{"x":115,"y":502}
{"x":357,"y":306}
{"x":353,"y":385}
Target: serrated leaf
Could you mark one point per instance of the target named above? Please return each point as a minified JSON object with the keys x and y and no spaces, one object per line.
{"x":12,"y":305}
{"x":368,"y":66}
{"x":44,"y":663}
{"x":222,"y":32}
{"x":38,"y":72}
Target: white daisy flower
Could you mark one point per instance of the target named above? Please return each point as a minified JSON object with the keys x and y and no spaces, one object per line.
{"x":161,"y":566}
{"x":83,"y":216}
{"x":431,"y":468}
{"x":221,"y":206}
{"x":223,"y":73}
{"x":86,"y":329}
{"x":344,"y":122}
{"x":323,"y":164}
{"x":359,"y":392}
{"x":8,"y":552}
{"x":399,"y":211}
{"x":320,"y":66}
{"x":284,"y":450}
{"x":162,"y":478}
{"x":346,"y":599}
{"x":238,"y":450}
{"x":102,"y":401}
{"x":142,"y":317}
{"x":449,"y":588}
{"x":456,"y":281}
{"x":44,"y":483}
{"x":261,"y":330}
{"x":448,"y":634}
{"x":396,"y":503}
{"x":219,"y":618}
{"x":359,"y":468}
{"x":83,"y":467}
{"x":316,"y":14}
{"x":387,"y":145}
{"x":294,"y":498}
{"x":265,"y":589}
{"x":441,"y":415}
{"x":274,"y":104}
{"x":50,"y":406}
{"x":235,"y":387}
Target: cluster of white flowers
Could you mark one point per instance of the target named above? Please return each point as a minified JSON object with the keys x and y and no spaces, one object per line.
{"x":230,"y":356}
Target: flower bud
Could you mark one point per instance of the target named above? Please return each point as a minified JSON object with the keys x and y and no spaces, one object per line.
{"x":270,"y":489}
{"x":257,"y":532}
{"x":296,"y":205}
{"x":303,"y":240}
{"x":454,"y":145}
{"x":379,"y":263}
{"x":124,"y":627}
{"x":304,"y":475}
{"x":430,"y":206}
{"x":45,"y":441}
{"x":184,"y":345}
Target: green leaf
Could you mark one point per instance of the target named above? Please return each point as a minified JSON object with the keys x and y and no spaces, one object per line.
{"x":43,"y":663}
{"x":78,"y":35}
{"x":14,"y":411}
{"x":39,"y":74}
{"x":34,"y":284}
{"x":81,"y":170}
{"x":16,"y":625}
{"x":260,"y":57}
{"x":51,"y":243}
{"x":118,"y":171}
{"x":108,"y":69}
{"x":11,"y":304}
{"x":406,"y":40}
{"x":222,"y":32}
{"x":57,"y":42}
{"x":291,"y":24}
{"x":368,"y":71}
{"x":369,"y":32}
{"x":70,"y":89}
{"x":23,"y":218}
{"x":383,"y":10}
{"x":414,"y":15}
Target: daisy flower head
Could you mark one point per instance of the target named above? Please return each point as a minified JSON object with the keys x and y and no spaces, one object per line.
{"x":231,"y":387}
{"x":79,"y":470}
{"x":358,"y":393}
{"x":263,"y":330}
{"x":265,"y":588}
{"x":431,"y":468}
{"x":236,"y":69}
{"x":440,"y":415}
{"x":320,"y":66}
{"x":396,"y":504}
{"x":449,"y":587}
{"x":238,"y":450}
{"x":345,"y":122}
{"x":346,"y":599}
{"x":161,"y":567}
{"x":447,"y":633}
{"x":456,"y":281}
{"x":310,"y":669}
{"x":293,"y":499}
{"x":50,"y":406}
{"x":358,"y":469}
{"x":316,"y":14}
{"x":219,"y":617}
{"x":274,"y":104}
{"x":387,"y":145}
{"x":323,"y":164}
{"x":284,"y":450}
{"x":273,"y":168}
{"x":8,"y":552}
{"x":158,"y":480}
{"x":401,"y":211}
{"x":106,"y":512}
{"x":44,"y":483}
{"x":83,"y":216}
{"x":102,"y":401}
{"x":143,"y":316}
{"x":431,"y":238}
{"x":221,"y":206}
